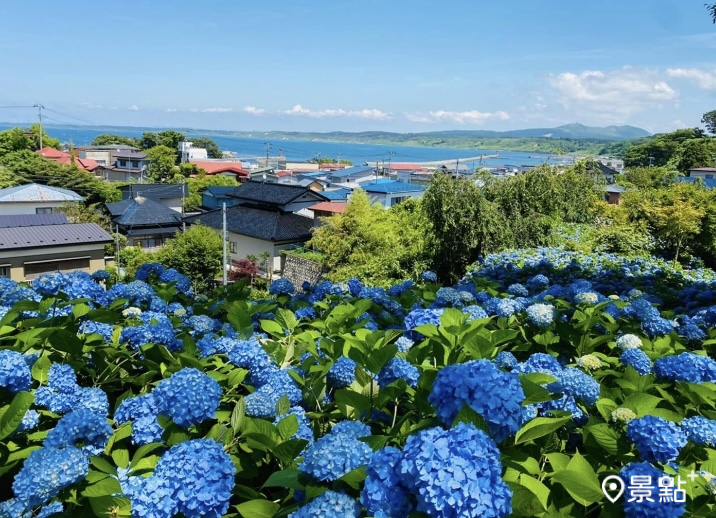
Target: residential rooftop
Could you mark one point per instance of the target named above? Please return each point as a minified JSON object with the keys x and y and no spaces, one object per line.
{"x":52,"y":235}
{"x":35,"y":192}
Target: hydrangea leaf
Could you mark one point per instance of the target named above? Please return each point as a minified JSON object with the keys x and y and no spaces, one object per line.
{"x":258,"y":509}
{"x":287,"y":478}
{"x":580,"y":486}
{"x":13,"y":413}
{"x":642,"y":404}
{"x":40,"y":369}
{"x":105,"y":487}
{"x":539,"y":427}
{"x":110,"y":506}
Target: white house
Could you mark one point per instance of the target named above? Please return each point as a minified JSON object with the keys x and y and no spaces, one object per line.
{"x":34,"y":198}
{"x":189,"y":152}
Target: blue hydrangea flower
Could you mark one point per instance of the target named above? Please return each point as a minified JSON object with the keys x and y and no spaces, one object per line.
{"x":383,"y":493}
{"x":90,"y":326}
{"x":14,"y":371}
{"x":586,"y":298}
{"x":494,"y":394}
{"x":506,"y":360}
{"x":541,"y":315}
{"x":354,"y":287}
{"x":700,"y":430}
{"x":540,"y":362}
{"x":201,"y":325}
{"x":657,"y":327}
{"x":46,"y":472}
{"x":342,"y":373}
{"x":629,"y":341}
{"x":637,"y":359}
{"x":188,"y":397}
{"x":646,"y":508}
{"x":260,"y":404}
{"x":642,"y":310}
{"x":575,"y":383}
{"x":328,"y":505}
{"x":306,"y":312}
{"x":142,"y":411}
{"x":691,"y":332}
{"x":282,"y":287}
{"x":455,"y":472}
{"x":419,"y":316}
{"x":686,"y":367}
{"x":518,"y":290}
{"x":29,"y":421}
{"x":404,"y":344}
{"x":171,"y":276}
{"x":338,"y":452}
{"x":147,"y":270}
{"x":396,"y":369}
{"x":429,"y":276}
{"x":474,"y":312}
{"x":656,"y":439}
{"x":567,"y":404}
{"x":88,"y":429}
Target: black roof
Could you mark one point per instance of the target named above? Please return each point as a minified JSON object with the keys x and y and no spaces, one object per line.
{"x":142,"y":211}
{"x":53,"y":235}
{"x":31,"y":220}
{"x":154,"y":191}
{"x":273,"y":193}
{"x":218,"y":191}
{"x":269,"y":225}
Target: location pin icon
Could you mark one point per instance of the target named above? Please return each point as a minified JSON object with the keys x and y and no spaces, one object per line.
{"x":613,"y":485}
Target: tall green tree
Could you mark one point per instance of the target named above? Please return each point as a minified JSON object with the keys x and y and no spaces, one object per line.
{"x":18,"y":139}
{"x":197,"y":253}
{"x":464,"y":225}
{"x":695,"y":153}
{"x":162,"y":163}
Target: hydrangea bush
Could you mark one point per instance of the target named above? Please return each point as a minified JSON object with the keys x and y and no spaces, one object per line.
{"x":514,"y":392}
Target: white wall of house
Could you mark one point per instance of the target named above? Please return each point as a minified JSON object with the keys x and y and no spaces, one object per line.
{"x":702,"y":174}
{"x":102,"y":157}
{"x":30,"y":207}
{"x":239,"y":247}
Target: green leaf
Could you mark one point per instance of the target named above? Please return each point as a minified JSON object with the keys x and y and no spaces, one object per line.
{"x":238,"y":415}
{"x":642,"y":404}
{"x":103,"y":465}
{"x":606,"y":407}
{"x":377,"y":359}
{"x":287,"y":426}
{"x":110,"y":506}
{"x":288,"y":451}
{"x":258,"y":509}
{"x":120,"y":456}
{"x":468,"y":415}
{"x":287,"y":478}
{"x":105,"y":487}
{"x":272,"y":328}
{"x":283,"y":405}
{"x":534,"y":393}
{"x":80,"y":310}
{"x":13,"y":414}
{"x":607,"y":438}
{"x":579,"y":485}
{"x":41,"y":368}
{"x":539,"y":427}
{"x":353,"y":399}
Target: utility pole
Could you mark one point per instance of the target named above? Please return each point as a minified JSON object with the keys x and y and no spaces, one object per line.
{"x":116,"y":239}
{"x":267,"y":146}
{"x":651,"y":160}
{"x":39,"y":115}
{"x":223,"y":233}
{"x":390,"y":161}
{"x":183,"y":198}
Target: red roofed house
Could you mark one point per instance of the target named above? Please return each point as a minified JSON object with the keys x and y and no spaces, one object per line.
{"x":232,"y":169}
{"x":86,"y":164}
{"x":327,"y":208}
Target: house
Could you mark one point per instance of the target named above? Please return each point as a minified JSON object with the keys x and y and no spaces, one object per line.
{"x":117,"y":163}
{"x":215,"y":196}
{"x":231,"y":169}
{"x":85,"y":164}
{"x":188,"y":152}
{"x":253,"y":231}
{"x":391,"y":193}
{"x":339,"y":194}
{"x":146,"y":223}
{"x":613,"y":194}
{"x":34,"y":198}
{"x":709,"y":183}
{"x":328,"y":208}
{"x":350,"y":174}
{"x":596,"y":167}
{"x":273,"y":196}
{"x":171,"y":195}
{"x":612,"y":163}
{"x":702,"y":172}
{"x":27,"y":252}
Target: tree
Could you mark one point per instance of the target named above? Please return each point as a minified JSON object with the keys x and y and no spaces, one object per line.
{"x":464,"y":225}
{"x":695,"y":153}
{"x":18,"y":139}
{"x":648,"y":177}
{"x":212,"y":148}
{"x":197,"y":253}
{"x":370,"y":243}
{"x":712,"y":11}
{"x":108,"y":139}
{"x":162,"y":163}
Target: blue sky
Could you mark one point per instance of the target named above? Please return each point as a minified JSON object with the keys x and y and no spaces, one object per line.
{"x":326,"y":65}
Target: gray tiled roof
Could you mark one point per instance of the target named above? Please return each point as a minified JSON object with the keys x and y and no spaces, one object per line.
{"x":262,"y":224}
{"x":142,"y":211}
{"x":273,"y":193}
{"x":52,"y":235}
{"x":154,"y":191}
{"x":356,"y":170}
{"x":31,"y":220}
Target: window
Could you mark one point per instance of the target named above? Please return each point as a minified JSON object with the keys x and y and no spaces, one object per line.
{"x":397,"y":199}
{"x":35,"y":269}
{"x":135,"y":163}
{"x":4,"y":271}
{"x":149,"y":242}
{"x":232,"y":247}
{"x":43,"y":210}
{"x":122,"y":163}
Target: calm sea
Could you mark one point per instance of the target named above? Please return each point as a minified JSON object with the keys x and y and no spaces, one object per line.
{"x":301,"y":150}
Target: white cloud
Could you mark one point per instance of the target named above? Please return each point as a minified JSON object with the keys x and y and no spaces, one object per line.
{"x":211,"y":110}
{"x":704,"y":79}
{"x":612,"y":95}
{"x":466,"y":117}
{"x":172,"y":110}
{"x":253,"y":110}
{"x":371,"y":114}
{"x":91,"y":106}
{"x":133,"y":108}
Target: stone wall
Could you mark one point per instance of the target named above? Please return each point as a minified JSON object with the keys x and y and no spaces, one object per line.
{"x":299,"y":270}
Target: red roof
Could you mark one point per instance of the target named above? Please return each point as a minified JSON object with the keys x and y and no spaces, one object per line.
{"x":329,"y":206}
{"x":281,"y":174}
{"x":213,"y":168}
{"x":60,"y":157}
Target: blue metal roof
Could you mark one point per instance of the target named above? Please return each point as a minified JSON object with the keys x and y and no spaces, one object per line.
{"x":392,"y":187}
{"x":34,"y":192}
{"x":350,"y":171}
{"x":708,"y":182}
{"x":337,"y":194}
